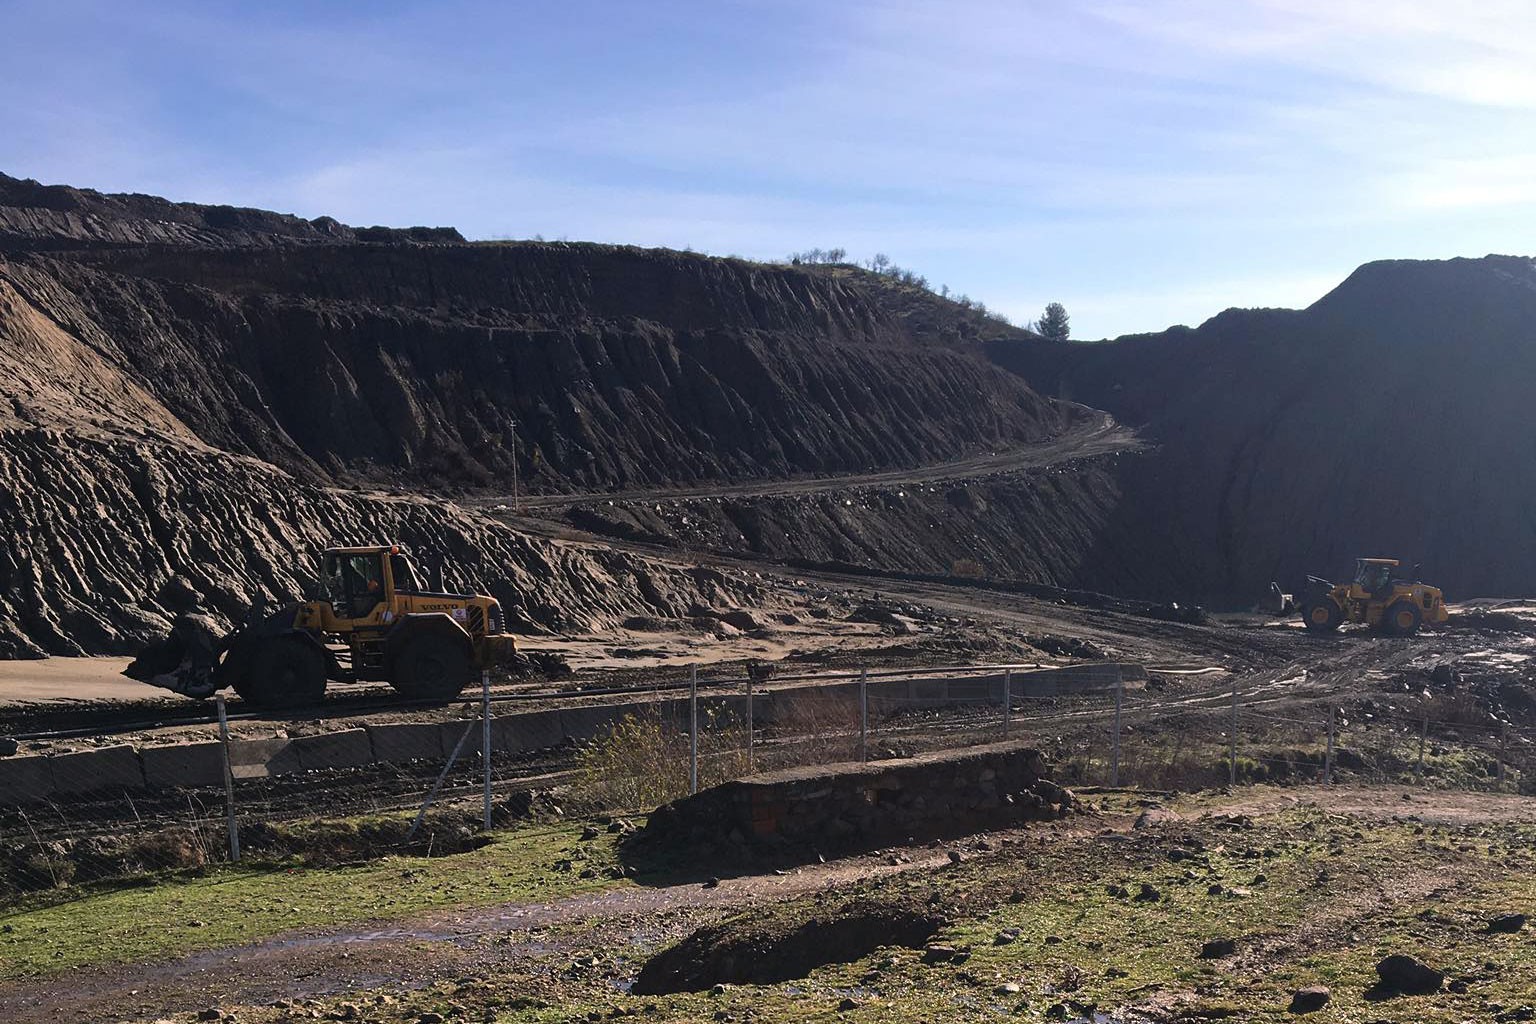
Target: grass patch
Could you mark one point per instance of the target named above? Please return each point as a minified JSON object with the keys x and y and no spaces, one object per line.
{"x":1053,"y":929}
{"x":230,"y":905}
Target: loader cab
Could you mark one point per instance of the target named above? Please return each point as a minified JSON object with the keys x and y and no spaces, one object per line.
{"x":1373,"y":576}
{"x":358,"y":580}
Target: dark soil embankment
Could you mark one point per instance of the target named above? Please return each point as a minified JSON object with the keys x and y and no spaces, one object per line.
{"x":761,"y":949}
{"x":1392,"y":417}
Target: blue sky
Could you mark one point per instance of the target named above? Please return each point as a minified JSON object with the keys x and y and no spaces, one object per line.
{"x":1145,"y":163}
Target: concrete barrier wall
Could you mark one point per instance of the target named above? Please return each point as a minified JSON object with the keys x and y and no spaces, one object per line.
{"x":32,"y":778}
{"x":25,"y":780}
{"x":183,"y":764}
{"x":92,"y":771}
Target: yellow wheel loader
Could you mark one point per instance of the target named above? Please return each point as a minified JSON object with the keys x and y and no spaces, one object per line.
{"x":1376,"y":597}
{"x":373,"y":622}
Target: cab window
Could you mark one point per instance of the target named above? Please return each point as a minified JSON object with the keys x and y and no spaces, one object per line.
{"x":354,"y":584}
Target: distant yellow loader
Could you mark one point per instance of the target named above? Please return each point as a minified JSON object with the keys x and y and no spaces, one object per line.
{"x":1376,"y":597}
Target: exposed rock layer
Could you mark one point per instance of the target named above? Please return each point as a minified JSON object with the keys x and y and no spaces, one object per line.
{"x":1392,"y":417}
{"x":94,"y":529}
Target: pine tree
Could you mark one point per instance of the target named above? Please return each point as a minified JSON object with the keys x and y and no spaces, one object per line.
{"x":1053,"y":324}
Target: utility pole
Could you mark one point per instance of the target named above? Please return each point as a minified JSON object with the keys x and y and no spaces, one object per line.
{"x":490,"y":334}
{"x":516,"y":506}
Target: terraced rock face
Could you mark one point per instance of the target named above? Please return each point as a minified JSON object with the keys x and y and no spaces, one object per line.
{"x":410,"y":364}
{"x":91,"y":531}
{"x":181,"y":387}
{"x":1392,"y":417}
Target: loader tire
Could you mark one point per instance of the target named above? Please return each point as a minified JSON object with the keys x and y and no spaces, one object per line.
{"x":430,"y":665}
{"x":282,"y":672}
{"x":1402,"y":618}
{"x":1323,"y":616}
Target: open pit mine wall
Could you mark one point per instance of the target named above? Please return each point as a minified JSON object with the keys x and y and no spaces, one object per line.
{"x":1044,"y":526}
{"x":1393,"y":417}
{"x":91,"y":530}
{"x":408,"y":364}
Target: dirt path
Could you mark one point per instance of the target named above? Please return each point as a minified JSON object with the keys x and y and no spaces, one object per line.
{"x":404,"y":955}
{"x":417,"y":952}
{"x":1096,"y":434}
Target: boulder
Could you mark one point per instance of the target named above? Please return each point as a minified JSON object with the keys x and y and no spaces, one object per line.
{"x":1408,"y":976}
{"x":1310,"y":999}
{"x":1215,"y":949}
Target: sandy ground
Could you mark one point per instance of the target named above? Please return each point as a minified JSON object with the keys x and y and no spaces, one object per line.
{"x":67,"y":679}
{"x":63,"y":680}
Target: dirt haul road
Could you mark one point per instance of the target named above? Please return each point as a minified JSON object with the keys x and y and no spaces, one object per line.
{"x":1093,"y":433}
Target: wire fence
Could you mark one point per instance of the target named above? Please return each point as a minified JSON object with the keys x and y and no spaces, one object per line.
{"x":116,"y":811}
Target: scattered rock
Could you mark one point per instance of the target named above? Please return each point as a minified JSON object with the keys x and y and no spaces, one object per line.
{"x":1507,"y":923}
{"x":1149,"y":893}
{"x":1215,"y":949}
{"x":937,"y":953}
{"x":1006,"y":936}
{"x":8,"y":746}
{"x":1154,"y":816}
{"x":956,"y":857}
{"x":588,"y":833}
{"x":848,"y":1003}
{"x":1407,"y":976}
{"x":1310,"y":999}
{"x":1007,"y":988}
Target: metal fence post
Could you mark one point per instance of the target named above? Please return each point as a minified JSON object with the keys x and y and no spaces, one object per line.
{"x":1503,"y":743}
{"x":1114,"y":759}
{"x":1328,"y":757}
{"x":1423,"y":735}
{"x":229,"y":782}
{"x":485,"y":739}
{"x":1007,"y":700}
{"x":750,"y":734}
{"x":863,"y":714}
{"x":1232,"y":741}
{"x":693,"y":728}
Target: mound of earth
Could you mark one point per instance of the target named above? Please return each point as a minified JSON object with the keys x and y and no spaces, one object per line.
{"x":765,"y":948}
